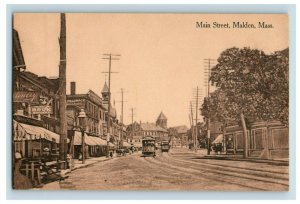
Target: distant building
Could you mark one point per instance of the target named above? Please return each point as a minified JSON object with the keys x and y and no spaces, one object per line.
{"x":137,"y":131}
{"x":151,"y":129}
{"x":179,"y":135}
{"x":140,"y":130}
{"x":162,"y":121}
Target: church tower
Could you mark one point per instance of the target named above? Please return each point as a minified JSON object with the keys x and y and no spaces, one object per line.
{"x":162,"y":121}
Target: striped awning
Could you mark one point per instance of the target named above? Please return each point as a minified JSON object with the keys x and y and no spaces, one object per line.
{"x":89,"y":140}
{"x":98,"y":141}
{"x":24,"y":131}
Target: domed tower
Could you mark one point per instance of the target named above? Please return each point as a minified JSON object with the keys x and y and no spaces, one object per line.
{"x":162,"y":121}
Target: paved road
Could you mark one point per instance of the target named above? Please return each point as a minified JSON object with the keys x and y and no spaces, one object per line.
{"x":177,"y":170}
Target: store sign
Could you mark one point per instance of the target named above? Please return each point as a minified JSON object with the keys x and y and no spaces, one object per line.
{"x":25,"y":96}
{"x":77,"y":102}
{"x":41,"y":110}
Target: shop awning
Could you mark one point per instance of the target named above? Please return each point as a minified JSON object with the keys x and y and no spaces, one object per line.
{"x":98,"y":141}
{"x":111,"y":144}
{"x":89,"y":140}
{"x":24,"y":131}
{"x":219,"y":139}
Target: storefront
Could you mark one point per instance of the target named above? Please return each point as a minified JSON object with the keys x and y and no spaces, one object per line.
{"x":35,"y":153}
{"x":94,"y":146}
{"x":34,"y":142}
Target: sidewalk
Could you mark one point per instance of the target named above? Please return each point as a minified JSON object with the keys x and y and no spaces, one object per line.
{"x":77,"y":165}
{"x":239,"y":157}
{"x":89,"y":161}
{"x":202,"y":154}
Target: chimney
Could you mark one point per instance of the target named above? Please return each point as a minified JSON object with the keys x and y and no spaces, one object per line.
{"x":73,"y":88}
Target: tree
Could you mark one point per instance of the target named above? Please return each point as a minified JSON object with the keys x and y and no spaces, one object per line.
{"x":251,"y":84}
{"x":216,"y":107}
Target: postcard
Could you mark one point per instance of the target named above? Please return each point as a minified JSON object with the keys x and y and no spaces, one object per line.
{"x":150,"y":101}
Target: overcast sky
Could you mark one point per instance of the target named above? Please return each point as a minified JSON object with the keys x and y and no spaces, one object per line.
{"x":161,"y":54}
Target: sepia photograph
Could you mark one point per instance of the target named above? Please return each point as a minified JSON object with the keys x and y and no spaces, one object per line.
{"x":150,"y":101}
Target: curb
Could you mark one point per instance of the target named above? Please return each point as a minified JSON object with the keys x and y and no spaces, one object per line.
{"x":274,"y":162}
{"x":83,"y":166}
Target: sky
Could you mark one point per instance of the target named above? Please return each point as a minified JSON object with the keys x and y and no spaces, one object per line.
{"x":162,"y":55}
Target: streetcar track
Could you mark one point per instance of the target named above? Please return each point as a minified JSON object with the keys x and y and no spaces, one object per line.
{"x":212,"y":175}
{"x":279,"y":180}
{"x":192,"y":175}
{"x":281,"y":176}
{"x":223,"y":165}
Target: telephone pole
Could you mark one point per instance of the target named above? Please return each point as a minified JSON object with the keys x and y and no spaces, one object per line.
{"x":208,"y":62}
{"x":122,"y":113}
{"x":109,"y":57}
{"x":192,"y":123}
{"x":196,"y":98}
{"x":132,"y":126}
{"x":196,"y":135}
{"x":62,"y":91}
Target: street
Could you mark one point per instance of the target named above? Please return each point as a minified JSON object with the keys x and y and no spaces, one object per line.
{"x":180,"y":169}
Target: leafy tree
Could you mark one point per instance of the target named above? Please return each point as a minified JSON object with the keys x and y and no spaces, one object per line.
{"x":251,"y":84}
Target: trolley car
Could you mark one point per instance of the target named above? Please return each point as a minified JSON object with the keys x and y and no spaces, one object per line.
{"x":148,"y":147}
{"x":165,"y":146}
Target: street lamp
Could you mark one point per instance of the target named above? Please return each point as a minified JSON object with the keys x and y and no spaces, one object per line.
{"x":82,"y":124}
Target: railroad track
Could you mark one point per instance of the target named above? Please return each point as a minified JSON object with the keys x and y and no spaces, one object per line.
{"x":258,"y":181}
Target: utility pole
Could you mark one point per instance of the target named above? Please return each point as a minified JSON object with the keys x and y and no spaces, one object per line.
{"x":208,"y":63}
{"x":192,"y":124}
{"x":196,"y":138}
{"x":62,"y":91}
{"x":196,"y":98}
{"x":109,"y":57}
{"x":132,"y":127}
{"x":122,"y":113}
{"x":190,"y":119}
